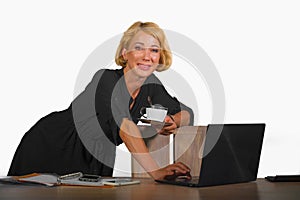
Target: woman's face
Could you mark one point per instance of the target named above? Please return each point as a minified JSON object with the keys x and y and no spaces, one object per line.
{"x":142,"y":55}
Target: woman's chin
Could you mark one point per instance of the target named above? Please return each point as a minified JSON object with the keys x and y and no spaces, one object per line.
{"x":143,"y":72}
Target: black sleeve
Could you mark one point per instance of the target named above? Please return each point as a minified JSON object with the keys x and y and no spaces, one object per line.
{"x":184,"y":107}
{"x":161,"y":96}
{"x":111,"y":106}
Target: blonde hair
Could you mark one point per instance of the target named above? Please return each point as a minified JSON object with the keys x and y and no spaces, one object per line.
{"x":155,"y":31}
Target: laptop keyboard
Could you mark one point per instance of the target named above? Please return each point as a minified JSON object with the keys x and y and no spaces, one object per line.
{"x":194,"y":180}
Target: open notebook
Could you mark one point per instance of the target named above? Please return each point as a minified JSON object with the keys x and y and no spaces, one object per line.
{"x":70,"y":179}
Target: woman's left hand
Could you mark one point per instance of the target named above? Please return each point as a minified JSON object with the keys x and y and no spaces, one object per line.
{"x":168,"y":129}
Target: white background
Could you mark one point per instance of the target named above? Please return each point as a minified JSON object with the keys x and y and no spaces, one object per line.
{"x":253,"y":44}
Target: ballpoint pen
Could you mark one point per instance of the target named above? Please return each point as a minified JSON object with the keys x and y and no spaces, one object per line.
{"x":69,"y":176}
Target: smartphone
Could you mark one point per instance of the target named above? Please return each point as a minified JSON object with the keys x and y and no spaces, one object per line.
{"x":119,"y":182}
{"x":89,"y":178}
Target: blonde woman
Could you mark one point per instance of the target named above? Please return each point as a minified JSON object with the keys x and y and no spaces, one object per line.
{"x":84,"y":136}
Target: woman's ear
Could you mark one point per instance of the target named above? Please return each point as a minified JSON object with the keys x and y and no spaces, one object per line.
{"x":124,"y":54}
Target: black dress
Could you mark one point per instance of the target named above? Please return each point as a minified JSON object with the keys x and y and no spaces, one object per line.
{"x":84,"y":136}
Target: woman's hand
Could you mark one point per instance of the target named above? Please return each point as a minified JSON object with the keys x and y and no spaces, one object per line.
{"x":172,"y":171}
{"x":181,"y":118}
{"x":170,"y":128}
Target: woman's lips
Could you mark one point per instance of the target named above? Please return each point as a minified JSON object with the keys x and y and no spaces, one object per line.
{"x":144,"y":67}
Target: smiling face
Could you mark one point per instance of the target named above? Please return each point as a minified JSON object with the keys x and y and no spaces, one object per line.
{"x":142,"y":55}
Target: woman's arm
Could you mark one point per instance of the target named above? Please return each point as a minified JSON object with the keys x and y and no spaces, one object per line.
{"x":181,"y":118}
{"x":133,"y":140}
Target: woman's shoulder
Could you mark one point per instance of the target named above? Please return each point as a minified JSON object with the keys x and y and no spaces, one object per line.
{"x":114,"y":71}
{"x":108,"y":74}
{"x":153,"y":79}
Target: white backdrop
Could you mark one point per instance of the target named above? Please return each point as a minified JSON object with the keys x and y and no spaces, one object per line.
{"x":253,"y":44}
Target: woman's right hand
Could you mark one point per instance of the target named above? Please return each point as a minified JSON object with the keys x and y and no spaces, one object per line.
{"x":171,"y":171}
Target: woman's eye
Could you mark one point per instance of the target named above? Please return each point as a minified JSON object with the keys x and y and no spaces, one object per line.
{"x":139,"y":48}
{"x":154,"y":50}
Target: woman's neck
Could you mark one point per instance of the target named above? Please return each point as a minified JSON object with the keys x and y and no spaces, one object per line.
{"x":133,"y":82}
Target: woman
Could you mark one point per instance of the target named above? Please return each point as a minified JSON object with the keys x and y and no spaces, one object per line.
{"x":84,"y":136}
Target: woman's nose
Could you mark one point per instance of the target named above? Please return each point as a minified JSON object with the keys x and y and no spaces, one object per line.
{"x":147,"y":54}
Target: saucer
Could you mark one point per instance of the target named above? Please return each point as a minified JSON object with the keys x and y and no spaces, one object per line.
{"x":148,"y":121}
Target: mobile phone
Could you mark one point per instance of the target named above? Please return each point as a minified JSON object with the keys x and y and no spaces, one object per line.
{"x":119,"y":182}
{"x":89,"y":178}
{"x":283,"y":178}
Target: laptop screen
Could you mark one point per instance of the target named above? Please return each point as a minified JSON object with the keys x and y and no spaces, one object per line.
{"x":231,"y":153}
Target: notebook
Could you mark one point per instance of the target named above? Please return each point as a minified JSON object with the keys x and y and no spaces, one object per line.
{"x":231,"y":155}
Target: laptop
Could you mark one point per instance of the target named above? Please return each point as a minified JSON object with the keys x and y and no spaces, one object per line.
{"x":231,"y":154}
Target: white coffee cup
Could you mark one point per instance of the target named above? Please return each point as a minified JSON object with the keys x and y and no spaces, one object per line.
{"x":156,"y":113}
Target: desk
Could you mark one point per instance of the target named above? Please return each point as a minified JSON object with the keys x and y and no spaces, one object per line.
{"x":148,"y":189}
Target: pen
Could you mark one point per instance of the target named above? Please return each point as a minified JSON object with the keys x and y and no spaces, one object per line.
{"x":70,"y":176}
